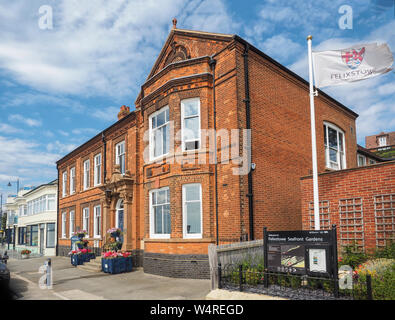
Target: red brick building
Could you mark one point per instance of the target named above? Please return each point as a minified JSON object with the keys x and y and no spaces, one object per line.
{"x":171,"y":206}
{"x":381,"y":140}
{"x":360,"y":201}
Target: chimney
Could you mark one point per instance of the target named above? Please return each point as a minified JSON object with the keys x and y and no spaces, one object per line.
{"x":123,"y":112}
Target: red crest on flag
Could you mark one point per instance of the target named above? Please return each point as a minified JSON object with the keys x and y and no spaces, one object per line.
{"x":354,"y":57}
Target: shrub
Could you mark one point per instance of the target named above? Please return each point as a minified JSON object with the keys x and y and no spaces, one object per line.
{"x":382,"y":272}
{"x":387,"y":252}
{"x":352,"y":256}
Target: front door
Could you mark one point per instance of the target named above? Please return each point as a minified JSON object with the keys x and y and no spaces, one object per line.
{"x":120,"y":223}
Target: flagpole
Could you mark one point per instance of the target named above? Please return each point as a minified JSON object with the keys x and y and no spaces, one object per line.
{"x":313,"y":139}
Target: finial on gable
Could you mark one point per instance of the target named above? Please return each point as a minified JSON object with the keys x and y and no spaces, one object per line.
{"x":174,"y":23}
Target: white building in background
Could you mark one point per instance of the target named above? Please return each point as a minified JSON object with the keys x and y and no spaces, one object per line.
{"x":33,"y":214}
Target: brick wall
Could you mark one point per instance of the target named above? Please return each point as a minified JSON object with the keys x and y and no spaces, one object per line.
{"x":349,"y":198}
{"x":281,"y":150}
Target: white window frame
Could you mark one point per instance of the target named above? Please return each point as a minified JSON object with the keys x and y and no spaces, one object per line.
{"x":71,"y":223}
{"x":183,"y":117}
{"x":86,"y":174}
{"x":186,"y":235}
{"x":72,"y":180}
{"x":151,"y":134}
{"x":96,"y":227}
{"x":360,"y":156}
{"x":118,"y":155}
{"x":64,"y":184}
{"x":85,"y":217}
{"x":154,"y":235}
{"x":97,"y":170}
{"x":338,"y":154}
{"x":64,"y":220}
{"x":382,"y":141}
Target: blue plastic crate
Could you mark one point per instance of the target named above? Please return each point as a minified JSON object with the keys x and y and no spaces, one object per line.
{"x":77,"y":259}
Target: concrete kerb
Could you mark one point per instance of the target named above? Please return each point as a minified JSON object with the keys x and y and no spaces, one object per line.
{"x":220,"y":294}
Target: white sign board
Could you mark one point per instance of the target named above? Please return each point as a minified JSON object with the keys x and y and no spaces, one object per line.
{"x":317,"y":260}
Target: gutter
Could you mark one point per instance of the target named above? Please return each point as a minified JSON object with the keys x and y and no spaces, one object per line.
{"x":103,"y":138}
{"x":212,"y":64}
{"x":57,"y":215}
{"x":250,"y":194}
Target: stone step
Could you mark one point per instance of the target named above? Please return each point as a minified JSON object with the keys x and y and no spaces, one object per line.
{"x":93,"y":265}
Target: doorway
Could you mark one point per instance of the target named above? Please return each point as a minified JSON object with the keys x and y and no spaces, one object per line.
{"x":119,"y":217}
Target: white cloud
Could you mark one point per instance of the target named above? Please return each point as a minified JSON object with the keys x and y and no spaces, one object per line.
{"x":6,"y":128}
{"x":97,"y":47}
{"x":88,"y":131}
{"x":281,"y":47}
{"x":59,"y":147}
{"x":25,"y":160}
{"x":28,"y":121}
{"x":105,"y":114}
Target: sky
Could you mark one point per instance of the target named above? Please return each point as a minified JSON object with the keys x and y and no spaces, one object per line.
{"x":60,"y":86}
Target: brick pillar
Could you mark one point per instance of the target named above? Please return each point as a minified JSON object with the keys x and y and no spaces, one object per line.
{"x":128,"y":225}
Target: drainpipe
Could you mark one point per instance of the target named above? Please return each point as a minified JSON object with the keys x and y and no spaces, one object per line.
{"x":104,"y":157}
{"x":212,"y":64}
{"x":57,"y":214}
{"x":248,"y":125}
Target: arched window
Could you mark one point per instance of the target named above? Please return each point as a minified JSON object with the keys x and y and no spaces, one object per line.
{"x":335,"y":149}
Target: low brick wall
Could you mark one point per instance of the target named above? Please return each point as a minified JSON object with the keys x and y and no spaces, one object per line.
{"x":177,"y":265}
{"x":360,"y":201}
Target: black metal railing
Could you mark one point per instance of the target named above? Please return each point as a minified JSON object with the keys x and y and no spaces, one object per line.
{"x":292,"y":286}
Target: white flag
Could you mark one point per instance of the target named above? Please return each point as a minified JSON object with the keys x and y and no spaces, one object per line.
{"x":360,"y":62}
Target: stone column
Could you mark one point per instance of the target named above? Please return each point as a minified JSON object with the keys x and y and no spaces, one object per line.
{"x":127,"y":221}
{"x":106,"y":218}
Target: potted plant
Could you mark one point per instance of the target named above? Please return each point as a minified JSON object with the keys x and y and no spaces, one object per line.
{"x":76,"y":257}
{"x":116,"y":262}
{"x":85,"y":255}
{"x":25,"y":253}
{"x":81,"y":234}
{"x":114,"y":232}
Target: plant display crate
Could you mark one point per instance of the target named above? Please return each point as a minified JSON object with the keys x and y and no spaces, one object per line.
{"x":77,"y":259}
{"x":116,"y":265}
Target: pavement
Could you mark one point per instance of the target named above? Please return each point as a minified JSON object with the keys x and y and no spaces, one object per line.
{"x":71,"y":283}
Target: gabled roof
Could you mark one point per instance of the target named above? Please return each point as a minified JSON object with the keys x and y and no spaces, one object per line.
{"x":370,"y":154}
{"x":198,"y":34}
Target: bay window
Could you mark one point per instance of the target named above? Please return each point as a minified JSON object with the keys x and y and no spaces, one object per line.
{"x":159,"y":133}
{"x":160,"y":222}
{"x":50,"y":235}
{"x":190,"y":124}
{"x":51,"y":202}
{"x":192,"y":210}
{"x":334,"y":147}
{"x":34,"y":235}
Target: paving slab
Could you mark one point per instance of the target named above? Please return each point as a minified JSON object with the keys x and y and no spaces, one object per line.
{"x":70,"y":282}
